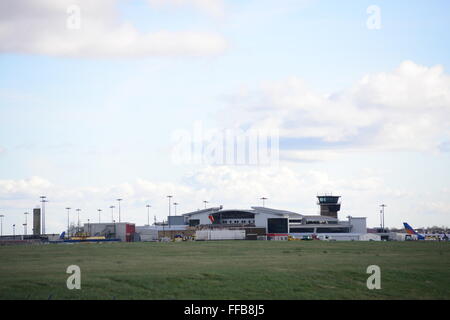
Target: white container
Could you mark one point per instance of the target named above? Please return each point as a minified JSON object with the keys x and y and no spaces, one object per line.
{"x":220,"y":235}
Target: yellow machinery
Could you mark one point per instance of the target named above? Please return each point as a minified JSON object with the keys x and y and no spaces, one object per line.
{"x":85,"y":236}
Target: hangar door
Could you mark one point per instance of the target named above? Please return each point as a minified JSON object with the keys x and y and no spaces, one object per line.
{"x":277,"y":225}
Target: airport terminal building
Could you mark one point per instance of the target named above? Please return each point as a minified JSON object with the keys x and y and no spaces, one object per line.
{"x":279,"y":222}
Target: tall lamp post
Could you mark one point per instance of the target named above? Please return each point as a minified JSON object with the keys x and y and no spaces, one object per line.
{"x":118,"y":200}
{"x":175,"y":207}
{"x":68,"y":222}
{"x":112,"y":213}
{"x":263,"y":200}
{"x":99,"y":215}
{"x":164,"y":232}
{"x":382,"y":216}
{"x":14,"y":231}
{"x":148,"y":214}
{"x":1,"y":224}
{"x":205,"y":202}
{"x":43,"y":200}
{"x":170,"y":197}
{"x":78,"y":224}
{"x":26,"y":223}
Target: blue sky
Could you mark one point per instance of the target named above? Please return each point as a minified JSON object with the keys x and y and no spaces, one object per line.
{"x":90,"y":125}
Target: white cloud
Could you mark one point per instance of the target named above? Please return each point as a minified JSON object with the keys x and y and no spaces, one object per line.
{"x":308,"y":155}
{"x":40,"y":27}
{"x":406,"y":109}
{"x":233,"y":187}
{"x":22,"y":189}
{"x":212,"y":7}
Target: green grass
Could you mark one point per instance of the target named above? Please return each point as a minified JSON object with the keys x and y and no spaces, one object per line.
{"x":227,"y":270}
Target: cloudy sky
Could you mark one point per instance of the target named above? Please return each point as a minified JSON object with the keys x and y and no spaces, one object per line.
{"x":94,"y":96}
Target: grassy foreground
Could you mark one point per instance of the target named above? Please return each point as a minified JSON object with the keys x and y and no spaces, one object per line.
{"x":227,"y":270}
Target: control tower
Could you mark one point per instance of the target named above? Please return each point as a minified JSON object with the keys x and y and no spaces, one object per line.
{"x":329,"y":205}
{"x":36,"y":221}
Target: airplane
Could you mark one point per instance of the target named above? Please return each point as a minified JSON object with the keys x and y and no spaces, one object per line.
{"x":409,"y":230}
{"x":432,"y":236}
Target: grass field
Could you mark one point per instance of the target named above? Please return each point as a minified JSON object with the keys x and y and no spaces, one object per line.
{"x":227,"y":270}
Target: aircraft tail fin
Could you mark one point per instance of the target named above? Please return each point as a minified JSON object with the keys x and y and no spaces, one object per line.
{"x":411,"y":231}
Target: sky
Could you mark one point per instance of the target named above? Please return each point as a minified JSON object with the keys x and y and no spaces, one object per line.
{"x":107,"y":99}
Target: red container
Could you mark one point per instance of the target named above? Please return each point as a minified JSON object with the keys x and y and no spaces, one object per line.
{"x":129,"y":231}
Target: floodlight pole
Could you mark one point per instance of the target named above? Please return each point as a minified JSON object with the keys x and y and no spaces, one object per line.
{"x":99,"y":213}
{"x":205,"y":202}
{"x":78,"y":228}
{"x":381,"y":220}
{"x":175,"y":207}
{"x":43,"y":200}
{"x":68,"y":222}
{"x":263,"y":200}
{"x":170,"y":197}
{"x":26,"y":223}
{"x":112,"y":212}
{"x":382,"y":216}
{"x":118,"y":200}
{"x":148,"y":214}
{"x":164,"y":232}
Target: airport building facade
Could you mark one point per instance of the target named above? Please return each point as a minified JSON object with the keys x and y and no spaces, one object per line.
{"x":217,"y":223}
{"x":279,"y":223}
